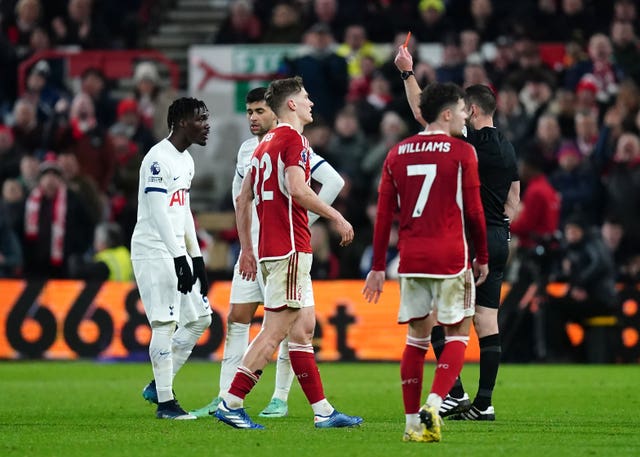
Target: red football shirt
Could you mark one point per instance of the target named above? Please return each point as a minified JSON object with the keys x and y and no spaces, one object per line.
{"x":284,"y":225}
{"x":433,"y":179}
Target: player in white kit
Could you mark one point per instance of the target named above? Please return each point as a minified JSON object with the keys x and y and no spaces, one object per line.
{"x":164,"y":249}
{"x":246,"y":295}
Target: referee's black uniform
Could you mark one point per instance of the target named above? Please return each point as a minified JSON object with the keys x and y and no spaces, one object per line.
{"x":498,"y":169}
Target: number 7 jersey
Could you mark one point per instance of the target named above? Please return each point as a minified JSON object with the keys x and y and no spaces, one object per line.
{"x":432,"y":178}
{"x":284,"y":225}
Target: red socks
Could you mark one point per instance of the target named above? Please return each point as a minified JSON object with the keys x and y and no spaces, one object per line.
{"x":243,"y":382}
{"x":304,"y":365}
{"x":411,"y":372}
{"x":449,"y":365}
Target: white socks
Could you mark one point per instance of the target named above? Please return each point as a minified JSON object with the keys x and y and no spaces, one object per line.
{"x":284,"y":372}
{"x":185,"y":338}
{"x":161,"y":358}
{"x":234,"y":346}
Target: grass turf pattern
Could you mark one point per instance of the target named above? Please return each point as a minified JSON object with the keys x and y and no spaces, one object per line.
{"x":92,"y":409}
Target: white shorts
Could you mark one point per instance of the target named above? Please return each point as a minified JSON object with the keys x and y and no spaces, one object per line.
{"x":158,"y":287}
{"x":453,"y":298}
{"x":243,"y":291}
{"x":287,"y":282}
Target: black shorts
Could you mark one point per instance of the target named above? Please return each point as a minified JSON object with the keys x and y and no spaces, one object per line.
{"x":488,"y":293}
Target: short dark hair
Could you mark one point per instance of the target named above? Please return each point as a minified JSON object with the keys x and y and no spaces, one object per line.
{"x":437,"y":97}
{"x":280,"y":89}
{"x":481,"y":95}
{"x":255,"y":95}
{"x":183,"y":109}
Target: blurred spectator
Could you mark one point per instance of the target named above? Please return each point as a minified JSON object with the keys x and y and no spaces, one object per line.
{"x":10,"y":248}
{"x":240,"y":25}
{"x":370,"y":109}
{"x":13,"y":201}
{"x":347,"y":147}
{"x":384,"y":18}
{"x":325,"y":264}
{"x":586,"y":128}
{"x":79,"y":27}
{"x":484,"y":21}
{"x":328,"y":12}
{"x":8,"y":75}
{"x":9,"y":156}
{"x":469,"y":44}
{"x":563,"y":107}
{"x":622,"y":183}
{"x":286,"y":24}
{"x":84,"y":186}
{"x":57,"y":225}
{"x":546,"y":142}
{"x":451,"y":67}
{"x":392,"y":129}
{"x":356,"y":46}
{"x":27,"y":131}
{"x":511,"y":117}
{"x":622,"y":245}
{"x":475,"y":73}
{"x":588,"y":267}
{"x":94,"y":84}
{"x":539,"y":212}
{"x":88,"y":141}
{"x":28,"y":172}
{"x":360,"y":86}
{"x":111,"y":260}
{"x":547,"y":13}
{"x":586,"y":92}
{"x":504,"y":61}
{"x":577,"y":21}
{"x":576,"y":183}
{"x":28,"y":14}
{"x":130,"y":121}
{"x":606,"y":74}
{"x":39,"y":92}
{"x":323,"y":71}
{"x":153,"y":98}
{"x":432,"y":23}
{"x":625,"y":49}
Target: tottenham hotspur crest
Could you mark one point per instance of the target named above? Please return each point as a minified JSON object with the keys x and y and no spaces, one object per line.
{"x":155,"y":168}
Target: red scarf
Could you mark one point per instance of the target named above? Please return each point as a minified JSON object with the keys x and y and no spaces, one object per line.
{"x":32,"y":214}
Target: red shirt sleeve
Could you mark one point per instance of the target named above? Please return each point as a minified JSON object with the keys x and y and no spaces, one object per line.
{"x":387,"y":205}
{"x":472,"y":204}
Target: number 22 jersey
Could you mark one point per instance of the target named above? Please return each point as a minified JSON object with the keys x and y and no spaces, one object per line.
{"x":284,"y":225}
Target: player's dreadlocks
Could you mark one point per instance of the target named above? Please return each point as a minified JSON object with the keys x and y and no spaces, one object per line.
{"x":182,"y":109}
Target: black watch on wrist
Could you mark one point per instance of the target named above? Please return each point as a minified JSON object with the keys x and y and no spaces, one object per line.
{"x":405,"y":74}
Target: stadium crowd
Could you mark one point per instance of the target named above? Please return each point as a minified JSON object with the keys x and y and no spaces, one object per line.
{"x":69,"y":156}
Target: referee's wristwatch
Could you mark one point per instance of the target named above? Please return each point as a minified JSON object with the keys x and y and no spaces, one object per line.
{"x":405,"y":74}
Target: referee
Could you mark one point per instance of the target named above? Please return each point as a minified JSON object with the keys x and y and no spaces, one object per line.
{"x":500,"y":194}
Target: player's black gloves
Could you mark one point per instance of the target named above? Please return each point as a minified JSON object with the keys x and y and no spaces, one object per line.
{"x":183,"y":272}
{"x":200,"y":272}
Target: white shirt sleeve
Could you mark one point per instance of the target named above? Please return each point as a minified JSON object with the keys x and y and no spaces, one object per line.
{"x":158,"y":206}
{"x":331,"y":181}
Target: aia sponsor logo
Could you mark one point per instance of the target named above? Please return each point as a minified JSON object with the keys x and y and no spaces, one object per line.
{"x":178,"y":198}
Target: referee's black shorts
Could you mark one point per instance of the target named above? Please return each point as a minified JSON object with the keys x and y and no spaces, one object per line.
{"x":488,"y":293}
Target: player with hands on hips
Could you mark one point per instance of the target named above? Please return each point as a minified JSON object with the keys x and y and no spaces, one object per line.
{"x":167,"y":262}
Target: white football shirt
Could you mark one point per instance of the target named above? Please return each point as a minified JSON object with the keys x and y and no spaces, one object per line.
{"x":243,"y":166}
{"x":167,"y":171}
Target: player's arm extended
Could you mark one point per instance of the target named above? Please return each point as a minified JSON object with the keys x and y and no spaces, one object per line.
{"x":244,"y":200}
{"x":307,"y":198}
{"x":513,"y":200}
{"x":387,"y":204}
{"x":158,"y":210}
{"x":331,"y":181}
{"x":404,"y":62}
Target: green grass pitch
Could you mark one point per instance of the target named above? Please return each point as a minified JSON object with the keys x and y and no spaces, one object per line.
{"x":96,"y":409}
